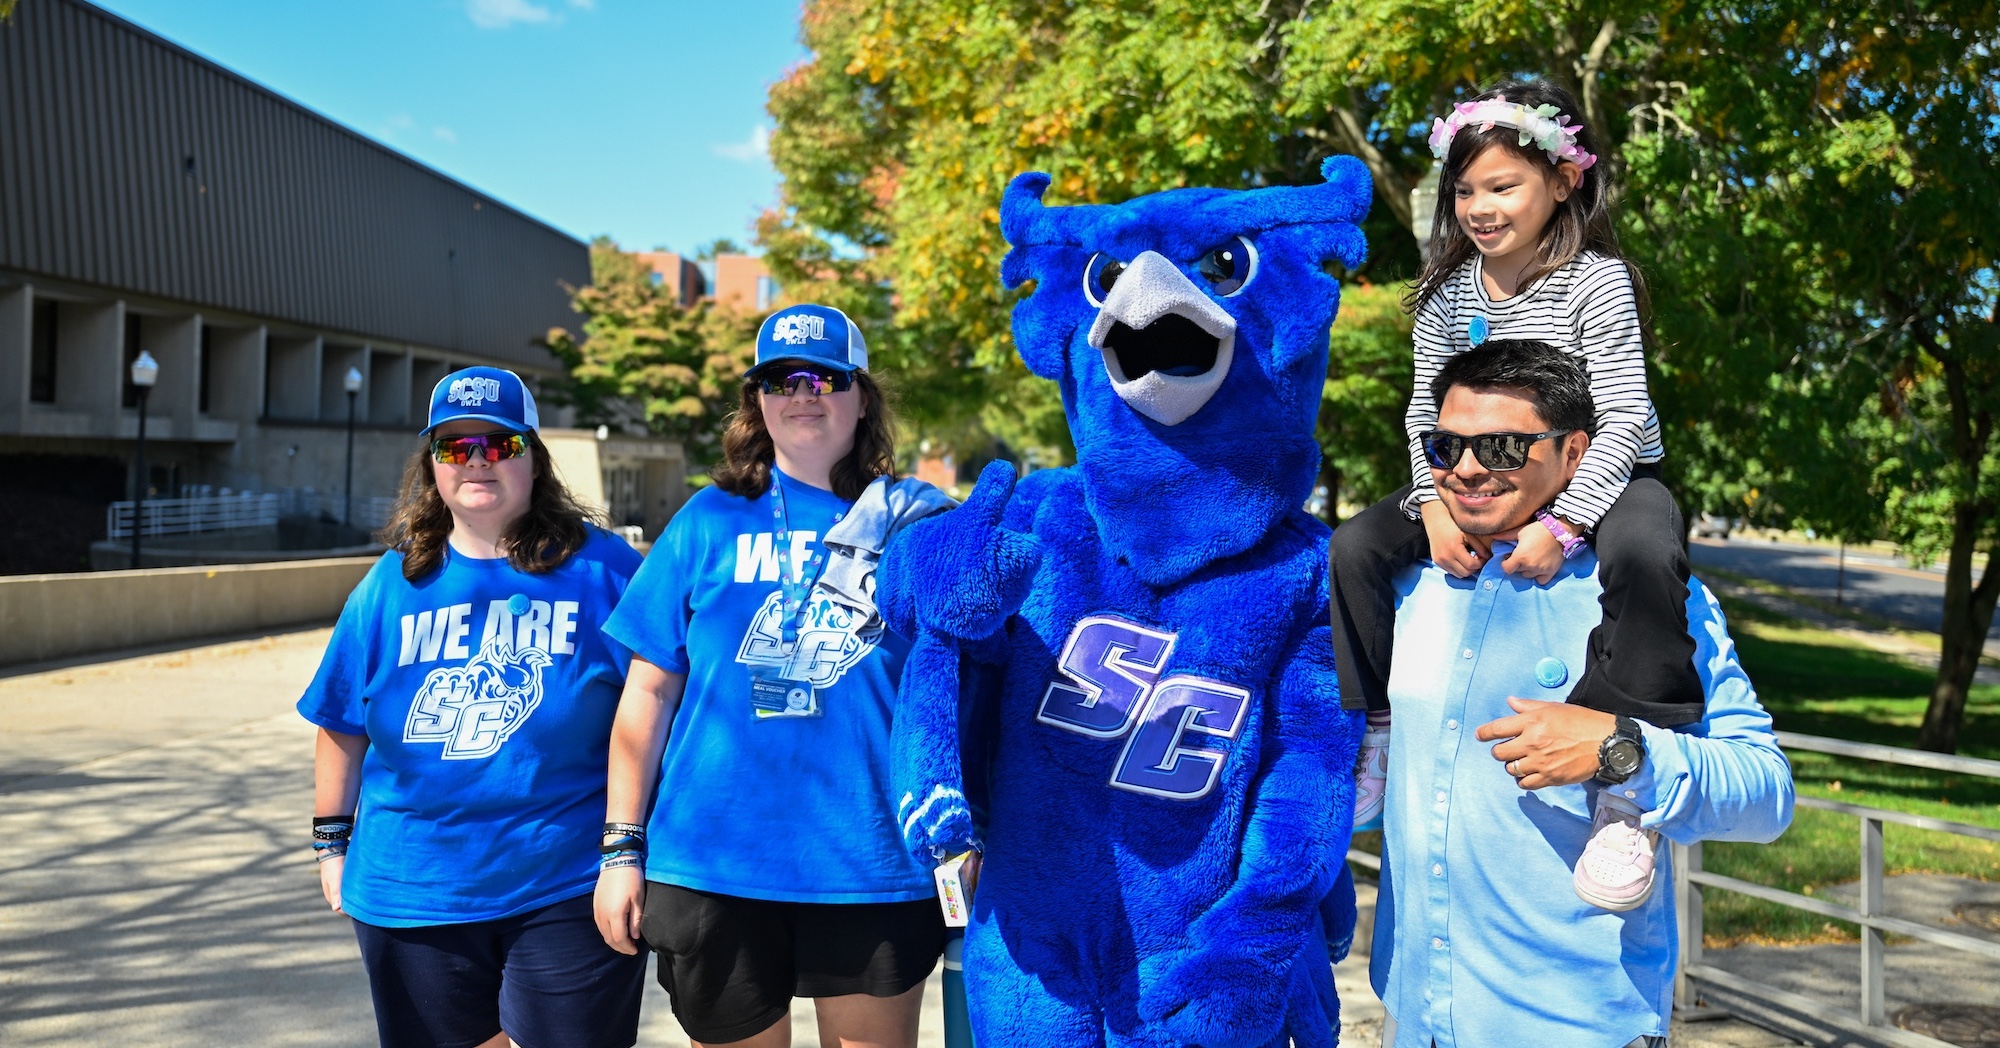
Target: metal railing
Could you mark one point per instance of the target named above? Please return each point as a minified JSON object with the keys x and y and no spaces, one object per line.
{"x":1872,"y":1020}
{"x":190,"y":515}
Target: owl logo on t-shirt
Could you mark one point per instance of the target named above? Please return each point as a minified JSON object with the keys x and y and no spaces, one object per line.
{"x":473,"y":709}
{"x":831,"y":639}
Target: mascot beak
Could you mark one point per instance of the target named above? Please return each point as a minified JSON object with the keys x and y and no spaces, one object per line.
{"x":1166,"y":344}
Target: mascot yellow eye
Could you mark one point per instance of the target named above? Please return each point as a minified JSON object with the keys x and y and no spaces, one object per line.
{"x":1099,"y":275}
{"x":1229,"y":267}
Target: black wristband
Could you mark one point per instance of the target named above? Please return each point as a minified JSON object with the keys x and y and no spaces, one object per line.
{"x":625,"y":828}
{"x":333,"y":827}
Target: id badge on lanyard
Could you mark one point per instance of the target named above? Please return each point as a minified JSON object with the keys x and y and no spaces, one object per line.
{"x":772,"y":693}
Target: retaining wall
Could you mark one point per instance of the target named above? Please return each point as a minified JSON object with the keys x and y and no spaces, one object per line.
{"x":54,"y":616}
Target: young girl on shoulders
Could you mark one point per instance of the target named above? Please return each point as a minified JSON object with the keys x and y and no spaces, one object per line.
{"x":1522,"y":247}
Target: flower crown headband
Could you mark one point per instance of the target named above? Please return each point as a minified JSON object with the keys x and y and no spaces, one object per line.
{"x":1542,"y":125}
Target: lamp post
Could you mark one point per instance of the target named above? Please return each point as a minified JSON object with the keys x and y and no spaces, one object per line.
{"x":352,"y":383}
{"x":145,"y":372}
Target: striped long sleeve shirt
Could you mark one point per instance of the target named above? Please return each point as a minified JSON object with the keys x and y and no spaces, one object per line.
{"x":1586,"y":308}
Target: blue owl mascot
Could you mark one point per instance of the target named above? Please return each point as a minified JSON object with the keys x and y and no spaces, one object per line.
{"x":1122,"y":689}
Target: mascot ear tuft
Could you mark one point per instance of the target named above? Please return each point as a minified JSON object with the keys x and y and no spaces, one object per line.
{"x":1025,"y":223}
{"x":1349,"y":179}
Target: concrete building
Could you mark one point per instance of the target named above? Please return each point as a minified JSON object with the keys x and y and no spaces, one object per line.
{"x":151,"y":199}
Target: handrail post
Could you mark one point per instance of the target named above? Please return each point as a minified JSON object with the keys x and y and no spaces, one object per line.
{"x":1873,"y":1011}
{"x":1687,"y":913}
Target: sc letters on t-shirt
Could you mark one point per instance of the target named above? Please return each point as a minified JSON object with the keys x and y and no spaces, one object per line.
{"x":474,"y":707}
{"x":831,"y":638}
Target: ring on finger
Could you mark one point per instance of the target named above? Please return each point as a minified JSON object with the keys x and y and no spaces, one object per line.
{"x":1511,"y":770}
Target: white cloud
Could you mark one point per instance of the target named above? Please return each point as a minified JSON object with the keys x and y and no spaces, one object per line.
{"x":499,"y":14}
{"x":444,"y":134}
{"x":755,"y":149}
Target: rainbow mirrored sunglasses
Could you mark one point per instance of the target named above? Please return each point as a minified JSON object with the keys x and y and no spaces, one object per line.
{"x":786,"y":379}
{"x":457,"y":451}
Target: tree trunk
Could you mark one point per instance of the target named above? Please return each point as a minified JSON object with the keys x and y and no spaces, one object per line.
{"x":1968,"y":614}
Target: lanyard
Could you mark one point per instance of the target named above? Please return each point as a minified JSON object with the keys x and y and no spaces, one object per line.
{"x":792,"y":592}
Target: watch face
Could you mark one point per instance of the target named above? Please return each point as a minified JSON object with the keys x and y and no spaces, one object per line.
{"x":1622,"y":757}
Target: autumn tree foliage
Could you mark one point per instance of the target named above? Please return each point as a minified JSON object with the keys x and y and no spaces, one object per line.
{"x":645,"y":362}
{"x":1801,"y":184}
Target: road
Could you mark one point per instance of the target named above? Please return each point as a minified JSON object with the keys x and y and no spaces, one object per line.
{"x":1877,"y":585}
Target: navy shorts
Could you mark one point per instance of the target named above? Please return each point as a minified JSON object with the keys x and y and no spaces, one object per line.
{"x":545,"y":977}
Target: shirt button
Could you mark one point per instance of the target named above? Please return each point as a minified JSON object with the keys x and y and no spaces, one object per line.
{"x":1632,"y":795}
{"x":1489,"y":583}
{"x":1440,"y":796}
{"x":1437,"y":869}
{"x":1467,"y":653}
{"x":1437,"y":944}
{"x":1451,"y":725}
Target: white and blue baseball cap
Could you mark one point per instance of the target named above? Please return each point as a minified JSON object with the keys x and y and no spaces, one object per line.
{"x":820,"y":334}
{"x":494,"y":395}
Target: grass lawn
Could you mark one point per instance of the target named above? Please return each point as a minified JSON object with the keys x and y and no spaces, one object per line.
{"x":1820,"y":683}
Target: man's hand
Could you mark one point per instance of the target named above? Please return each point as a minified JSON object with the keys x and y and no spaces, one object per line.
{"x":329,"y":880}
{"x":618,"y":905}
{"x":1548,"y":743}
{"x":1536,"y":556}
{"x":1451,"y":549}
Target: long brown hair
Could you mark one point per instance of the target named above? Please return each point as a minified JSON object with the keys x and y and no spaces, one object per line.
{"x":748,"y":454}
{"x":540,"y":540}
{"x":1582,"y":222}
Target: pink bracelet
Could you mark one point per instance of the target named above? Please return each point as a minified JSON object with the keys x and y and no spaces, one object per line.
{"x":1572,"y":543}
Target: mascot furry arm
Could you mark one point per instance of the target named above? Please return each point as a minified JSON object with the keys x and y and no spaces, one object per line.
{"x":1121,"y":686}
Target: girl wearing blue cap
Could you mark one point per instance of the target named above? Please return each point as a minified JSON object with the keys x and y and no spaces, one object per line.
{"x":755,"y":845}
{"x":464,"y":705}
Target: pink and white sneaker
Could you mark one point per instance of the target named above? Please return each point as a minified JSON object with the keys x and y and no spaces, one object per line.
{"x":1371,"y":773}
{"x":1616,"y":870}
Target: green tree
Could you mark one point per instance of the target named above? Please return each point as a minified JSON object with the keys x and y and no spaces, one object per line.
{"x":647,"y":363}
{"x":1798,"y":182}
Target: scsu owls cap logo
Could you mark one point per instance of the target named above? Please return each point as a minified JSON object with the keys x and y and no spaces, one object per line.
{"x":815,"y":333}
{"x":494,"y":395}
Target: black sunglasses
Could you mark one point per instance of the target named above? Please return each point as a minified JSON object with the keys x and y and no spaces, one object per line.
{"x":785,"y":380}
{"x":1499,"y":452}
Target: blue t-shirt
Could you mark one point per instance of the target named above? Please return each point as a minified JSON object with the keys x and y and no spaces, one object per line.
{"x":789,"y":808}
{"x":486,"y":694}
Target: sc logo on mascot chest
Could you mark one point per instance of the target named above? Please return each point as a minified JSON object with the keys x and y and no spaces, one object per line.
{"x":1176,"y":729}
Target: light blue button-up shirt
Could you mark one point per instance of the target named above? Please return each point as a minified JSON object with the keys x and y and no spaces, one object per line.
{"x":1479,"y":938}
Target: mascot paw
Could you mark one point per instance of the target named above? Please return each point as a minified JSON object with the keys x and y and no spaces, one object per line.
{"x":936,"y":823}
{"x":975,"y":572}
{"x":1211,"y":1000}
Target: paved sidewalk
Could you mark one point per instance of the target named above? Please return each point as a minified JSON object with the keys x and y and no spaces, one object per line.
{"x":155,"y":893}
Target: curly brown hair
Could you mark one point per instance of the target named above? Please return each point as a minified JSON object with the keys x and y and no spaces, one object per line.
{"x":748,"y":454}
{"x":540,"y":540}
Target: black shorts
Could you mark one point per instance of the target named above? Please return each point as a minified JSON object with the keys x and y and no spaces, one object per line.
{"x":733,"y":965}
{"x":544,"y":976}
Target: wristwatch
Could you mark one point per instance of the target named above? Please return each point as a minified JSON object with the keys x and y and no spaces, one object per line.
{"x":1621,"y":752}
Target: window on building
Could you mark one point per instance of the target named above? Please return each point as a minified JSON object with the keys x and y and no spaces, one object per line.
{"x":207,"y":361}
{"x":767,"y":293}
{"x":42,"y":354}
{"x":133,"y":335}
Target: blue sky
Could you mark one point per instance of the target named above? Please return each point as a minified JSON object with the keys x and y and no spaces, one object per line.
{"x":643,"y":119}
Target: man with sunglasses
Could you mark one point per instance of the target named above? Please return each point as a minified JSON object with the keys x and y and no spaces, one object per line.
{"x":1493,"y":777}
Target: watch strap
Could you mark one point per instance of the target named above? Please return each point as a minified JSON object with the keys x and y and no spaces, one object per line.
{"x":1572,"y":542}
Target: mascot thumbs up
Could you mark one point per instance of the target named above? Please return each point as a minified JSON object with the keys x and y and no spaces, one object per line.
{"x":1122,"y":687}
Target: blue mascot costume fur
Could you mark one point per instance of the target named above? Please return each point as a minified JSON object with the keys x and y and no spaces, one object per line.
{"x":1122,"y":686}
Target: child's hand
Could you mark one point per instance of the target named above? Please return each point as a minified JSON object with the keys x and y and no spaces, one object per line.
{"x":1538,"y":555}
{"x":1451,"y":549}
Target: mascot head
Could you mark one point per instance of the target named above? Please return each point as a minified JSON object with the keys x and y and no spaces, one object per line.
{"x":1188,"y":332}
